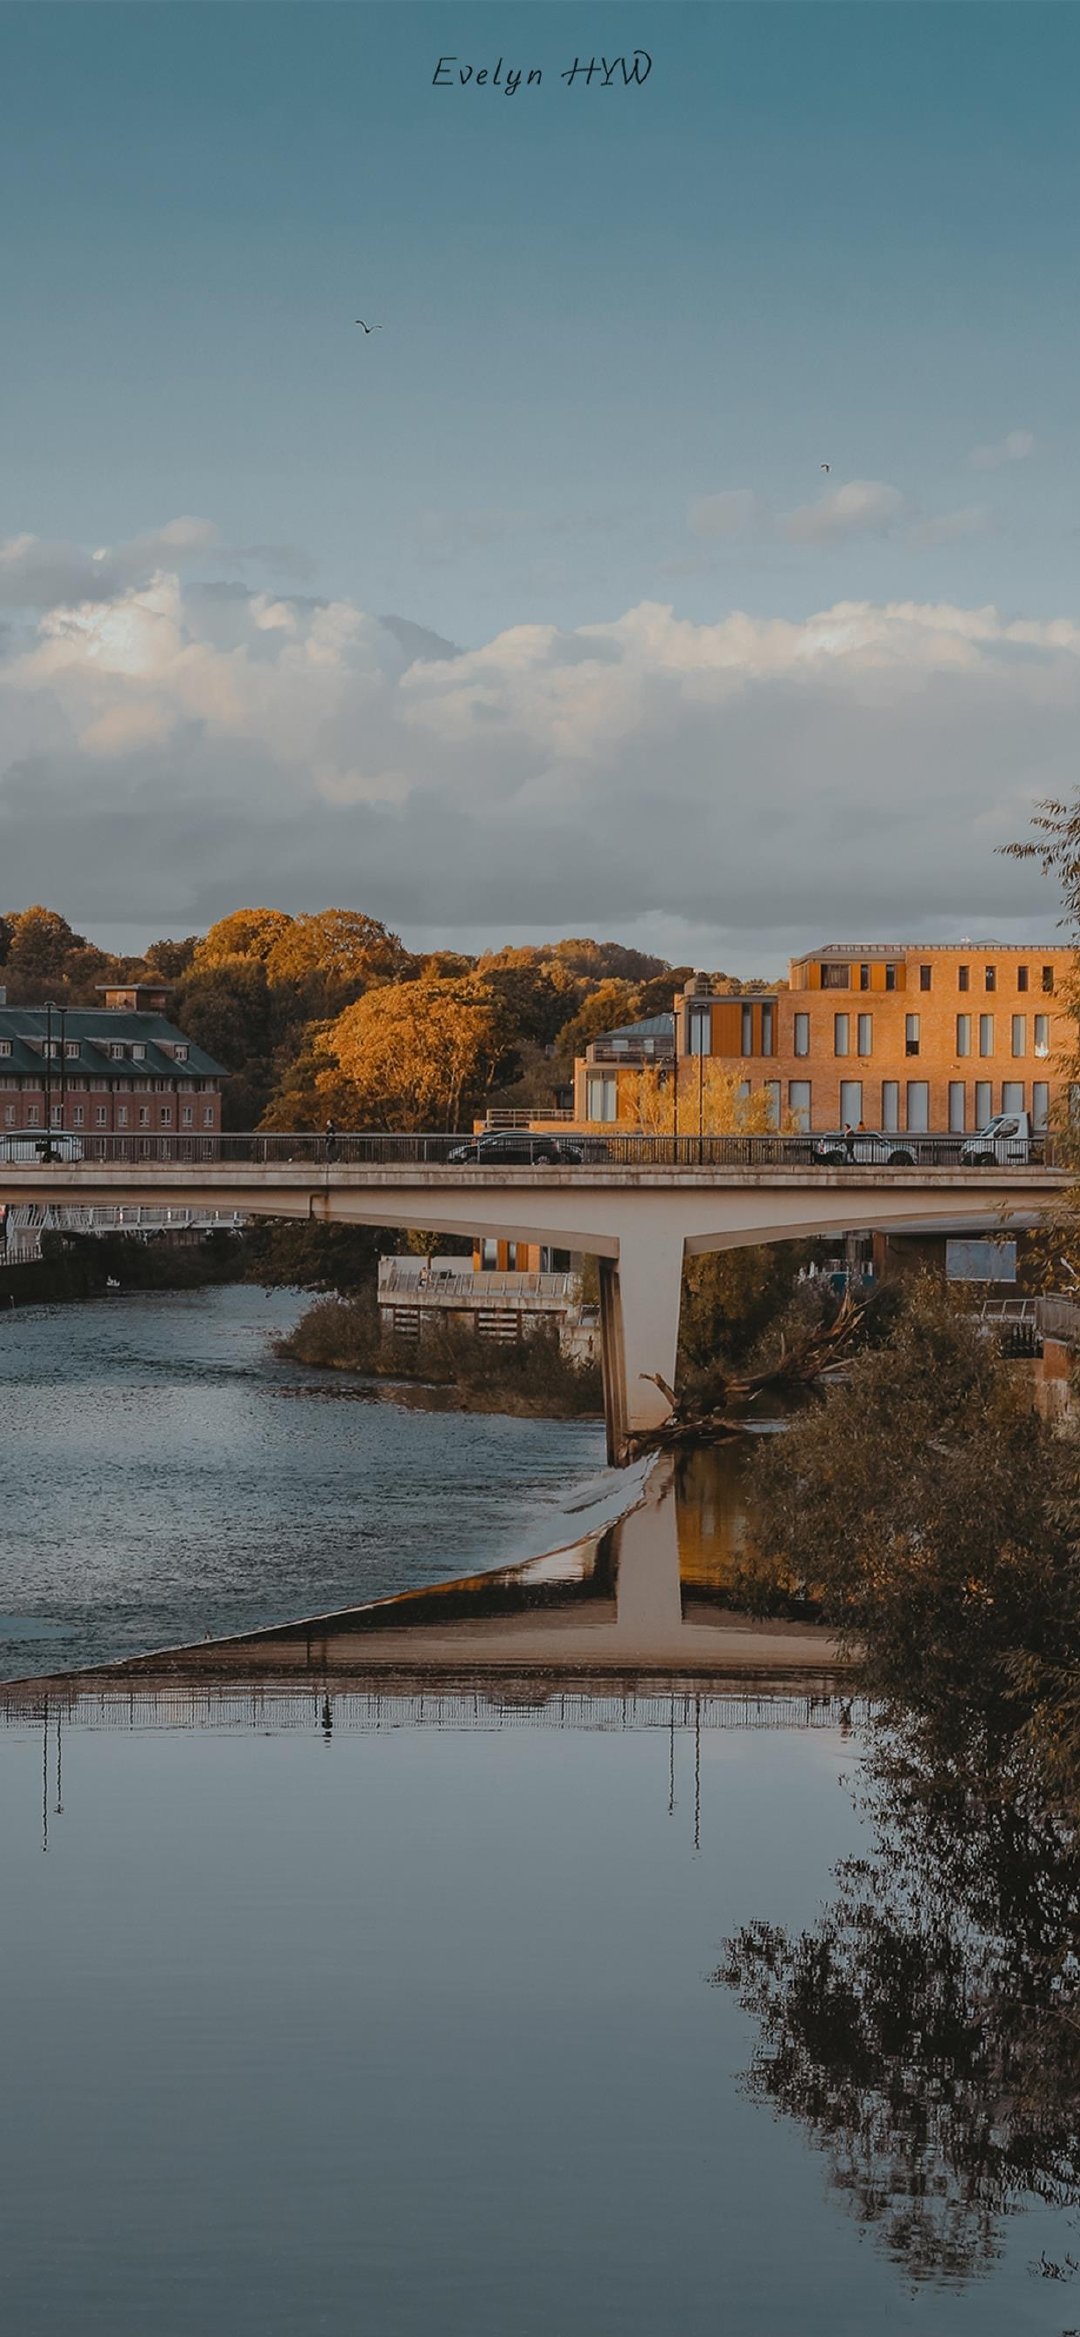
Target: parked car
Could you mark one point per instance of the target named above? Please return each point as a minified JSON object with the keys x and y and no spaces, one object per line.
{"x":1008,"y":1141}
{"x":840,"y":1149}
{"x":516,"y":1148}
{"x":41,"y":1144}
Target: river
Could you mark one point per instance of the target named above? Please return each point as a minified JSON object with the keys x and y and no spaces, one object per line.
{"x":166,"y":1477}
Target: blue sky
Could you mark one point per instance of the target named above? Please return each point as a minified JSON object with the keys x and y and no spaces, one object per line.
{"x":624,"y":328}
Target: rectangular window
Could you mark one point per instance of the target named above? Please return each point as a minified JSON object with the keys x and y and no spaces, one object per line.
{"x":768,"y":1028}
{"x":121,"y":1116}
{"x":990,"y":977}
{"x":1048,"y":978}
{"x":186,"y":1116}
{"x":963,"y":977}
{"x":601,"y":1090}
{"x":5,"y":1046}
{"x":841,"y":1034}
{"x":980,"y":1261}
{"x":77,"y":1116}
{"x":772,"y":1100}
{"x":9,"y":1115}
{"x":31,"y":1115}
{"x":139,"y":1053}
{"x":851,"y":1111}
{"x":701,"y":1030}
{"x":986,"y":1034}
{"x":925,"y":977}
{"x":911,"y":1034}
{"x":890,"y":1106}
{"x":101,"y":1115}
{"x":1040,"y":1103}
{"x":208,"y":1116}
{"x":1019,"y":1034}
{"x":1012,"y":1095}
{"x":1042,"y":1034}
{"x":799,"y":1102}
{"x":116,"y":1054}
{"x":918,"y":1107}
{"x":984,"y":1103}
{"x":963,"y":1034}
{"x":489,"y":1254}
{"x":890,"y":977}
{"x":57,"y":1115}
{"x":71,"y":1050}
{"x":802,"y":1034}
{"x":957,"y":1107}
{"x":835,"y":977}
{"x":166,"y":1115}
{"x":1021,"y":977}
{"x":866,"y":1034}
{"x":144,"y":1115}
{"x":864,"y":977}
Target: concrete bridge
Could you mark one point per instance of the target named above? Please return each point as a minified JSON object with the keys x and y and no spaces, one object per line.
{"x":640,"y":1217}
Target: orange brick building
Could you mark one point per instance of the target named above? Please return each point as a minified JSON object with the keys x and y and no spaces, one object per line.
{"x":906,"y":1037}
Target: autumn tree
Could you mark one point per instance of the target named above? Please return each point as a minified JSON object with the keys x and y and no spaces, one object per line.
{"x":46,"y":959}
{"x":418,"y":1054}
{"x":709,"y":1099}
{"x":334,"y":955}
{"x":244,"y":933}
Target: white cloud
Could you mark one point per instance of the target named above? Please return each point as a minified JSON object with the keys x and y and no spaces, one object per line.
{"x":175,"y":750}
{"x":1015,"y":447}
{"x":860,"y":507}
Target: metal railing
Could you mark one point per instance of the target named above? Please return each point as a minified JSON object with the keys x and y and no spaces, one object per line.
{"x":480,"y":1285}
{"x":577,"y":1148}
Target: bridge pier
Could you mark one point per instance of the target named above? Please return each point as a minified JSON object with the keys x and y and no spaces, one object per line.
{"x":640,"y":1298}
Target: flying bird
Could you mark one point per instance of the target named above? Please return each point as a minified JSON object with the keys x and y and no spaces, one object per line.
{"x":369,"y":328}
{"x":824,"y":466}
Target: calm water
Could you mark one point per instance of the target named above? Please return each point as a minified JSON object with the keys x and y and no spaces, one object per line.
{"x":164,"y":1477}
{"x":413,"y":2031}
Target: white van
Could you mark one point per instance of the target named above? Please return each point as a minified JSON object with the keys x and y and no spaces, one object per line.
{"x":1007,"y":1142}
{"x":33,"y":1145}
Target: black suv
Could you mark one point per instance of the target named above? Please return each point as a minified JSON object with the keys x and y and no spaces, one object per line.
{"x":516,"y":1148}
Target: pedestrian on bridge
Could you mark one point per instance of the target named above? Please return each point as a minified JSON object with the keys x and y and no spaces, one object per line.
{"x":331,"y":1140}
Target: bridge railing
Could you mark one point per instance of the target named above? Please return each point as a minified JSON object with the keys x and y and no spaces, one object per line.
{"x":574,"y":1149}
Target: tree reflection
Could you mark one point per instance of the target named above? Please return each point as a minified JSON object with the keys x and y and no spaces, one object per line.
{"x":926,"y":2030}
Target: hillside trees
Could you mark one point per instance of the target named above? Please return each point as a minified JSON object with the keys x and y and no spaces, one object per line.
{"x":416,"y":1054}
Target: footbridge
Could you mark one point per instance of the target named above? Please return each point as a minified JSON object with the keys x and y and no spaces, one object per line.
{"x":641,"y":1207}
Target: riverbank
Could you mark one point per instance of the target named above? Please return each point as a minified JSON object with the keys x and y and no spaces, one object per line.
{"x":529,"y":1379}
{"x":76,"y":1268}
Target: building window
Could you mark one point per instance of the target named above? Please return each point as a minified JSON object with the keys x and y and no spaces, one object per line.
{"x":984,"y":1103}
{"x":5,"y":1046}
{"x":890,"y":977}
{"x":9,"y":1115}
{"x":890,"y":1106}
{"x":799,"y":1096}
{"x":772,"y":1101}
{"x":77,"y":1116}
{"x":57,"y":1115}
{"x":841,"y":1034}
{"x":911,"y":1034}
{"x":1048,"y":978}
{"x":166,"y":1115}
{"x":990,"y":977}
{"x":701,"y":1031}
{"x":144,"y":1115}
{"x":851,"y":1102}
{"x":601,"y":1091}
{"x":925,"y":977}
{"x":186,"y":1116}
{"x":489,"y":1255}
{"x":980,"y":1261}
{"x":1019,"y":1034}
{"x":746,"y":1040}
{"x":768,"y":1028}
{"x":918,"y":1107}
{"x":802,"y":1034}
{"x":865,"y":1034}
{"x":1040,"y":1103}
{"x":864,"y":977}
{"x":116,"y":1054}
{"x":1012,"y":1095}
{"x":835,"y":977}
{"x":31,"y":1115}
{"x":139,"y":1053}
{"x":208,"y":1116}
{"x":1042,"y":1034}
{"x":963,"y":977}
{"x":957,"y":1107}
{"x":71,"y":1050}
{"x":181,"y":1053}
{"x":122,"y":1116}
{"x":963,"y":1034}
{"x":1021,"y":977}
{"x":986,"y":1034}
{"x":101,"y":1115}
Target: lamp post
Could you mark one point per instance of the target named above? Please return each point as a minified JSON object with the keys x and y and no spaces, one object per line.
{"x":61,"y":1014}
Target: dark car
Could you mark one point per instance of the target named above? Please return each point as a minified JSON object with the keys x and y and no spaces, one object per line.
{"x":856,"y":1147}
{"x":516,"y":1148}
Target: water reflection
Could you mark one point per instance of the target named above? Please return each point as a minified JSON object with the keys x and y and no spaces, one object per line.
{"x":925,"y":2030}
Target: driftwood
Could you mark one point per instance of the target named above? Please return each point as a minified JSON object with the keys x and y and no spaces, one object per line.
{"x":713,"y":1419}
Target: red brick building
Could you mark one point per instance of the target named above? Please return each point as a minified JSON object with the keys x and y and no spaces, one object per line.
{"x":118,"y":1069}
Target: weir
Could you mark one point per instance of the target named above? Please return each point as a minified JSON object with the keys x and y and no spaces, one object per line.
{"x":639,"y":1222}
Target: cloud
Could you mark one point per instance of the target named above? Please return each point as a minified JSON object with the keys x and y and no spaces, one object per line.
{"x":737,"y":512}
{"x":38,"y":574}
{"x":861,"y":507}
{"x":1015,"y":447}
{"x":953,"y":527}
{"x":176,"y":750}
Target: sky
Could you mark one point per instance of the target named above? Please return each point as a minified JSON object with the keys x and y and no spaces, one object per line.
{"x":651,"y":671}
